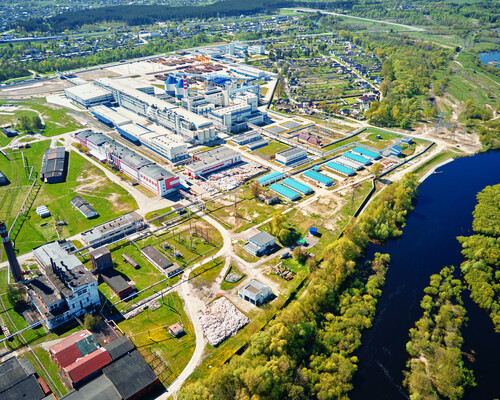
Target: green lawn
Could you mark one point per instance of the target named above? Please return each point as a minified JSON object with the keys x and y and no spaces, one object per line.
{"x":50,"y":366}
{"x":272,"y":148}
{"x":57,"y":119}
{"x":158,"y":222}
{"x":340,"y":143}
{"x":175,"y":352}
{"x":142,"y":278}
{"x":83,"y":179}
{"x":249,"y":212}
{"x":206,"y":273}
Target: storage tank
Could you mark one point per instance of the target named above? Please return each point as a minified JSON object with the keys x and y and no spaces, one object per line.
{"x":170,"y":85}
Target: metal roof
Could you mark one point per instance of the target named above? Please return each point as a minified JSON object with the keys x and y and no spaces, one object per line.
{"x":284,"y":191}
{"x":53,"y":162}
{"x":99,"y":388}
{"x":318,"y":177}
{"x":262,"y":238}
{"x":130,"y":374}
{"x":291,"y":152}
{"x":119,"y":347}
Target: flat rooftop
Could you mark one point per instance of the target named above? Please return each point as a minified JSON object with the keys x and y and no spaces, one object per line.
{"x":87,"y":91}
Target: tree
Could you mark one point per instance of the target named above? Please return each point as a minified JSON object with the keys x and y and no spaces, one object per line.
{"x":255,"y":189}
{"x":286,"y":236}
{"x":299,"y":255}
{"x":36,"y":123}
{"x":377,"y":170}
{"x":405,"y":123}
{"x":91,"y":322}
{"x":15,"y":295}
{"x":277,"y":222}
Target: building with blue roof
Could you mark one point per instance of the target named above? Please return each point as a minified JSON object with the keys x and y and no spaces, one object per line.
{"x":298,"y":186}
{"x":365,"y":152}
{"x":358,"y":158}
{"x":270,"y":178}
{"x":284,"y":191}
{"x":340,"y":168}
{"x":318,"y":178}
{"x":396,"y":151}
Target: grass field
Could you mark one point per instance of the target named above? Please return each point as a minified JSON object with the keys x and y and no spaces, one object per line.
{"x":84,"y":179}
{"x":248,"y":213}
{"x":206,"y":273}
{"x":175,"y":352}
{"x":142,"y":278}
{"x":472,"y":82}
{"x":272,"y":148}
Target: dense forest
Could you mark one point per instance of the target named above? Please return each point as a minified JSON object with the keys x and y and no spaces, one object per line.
{"x":306,"y":352}
{"x":436,"y":369}
{"x":134,"y":15}
{"x":481,"y":270}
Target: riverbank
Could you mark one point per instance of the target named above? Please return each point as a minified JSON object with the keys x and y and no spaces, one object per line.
{"x":433,"y":169}
{"x":443,"y":211}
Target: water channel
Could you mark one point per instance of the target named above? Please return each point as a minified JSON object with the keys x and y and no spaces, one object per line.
{"x":443,"y":211}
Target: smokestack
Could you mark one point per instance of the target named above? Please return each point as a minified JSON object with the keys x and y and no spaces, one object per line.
{"x":14,"y":266}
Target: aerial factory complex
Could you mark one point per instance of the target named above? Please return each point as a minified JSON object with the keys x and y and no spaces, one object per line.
{"x":157,"y":210}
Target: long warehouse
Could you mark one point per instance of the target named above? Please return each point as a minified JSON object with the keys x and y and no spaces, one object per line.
{"x":316,"y":177}
{"x":340,"y":168}
{"x":366,"y":153}
{"x":298,"y":186}
{"x":358,"y":158}
{"x":193,"y":127}
{"x":284,"y":191}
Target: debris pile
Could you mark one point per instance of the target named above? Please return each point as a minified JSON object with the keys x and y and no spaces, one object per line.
{"x":220,"y":320}
{"x":233,"y":177}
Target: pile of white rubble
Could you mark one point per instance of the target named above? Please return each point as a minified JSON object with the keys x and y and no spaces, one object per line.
{"x":220,"y":320}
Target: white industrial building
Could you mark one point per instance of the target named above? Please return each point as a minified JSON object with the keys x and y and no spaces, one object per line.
{"x":168,"y":146}
{"x":193,"y":127}
{"x":66,"y":289}
{"x":113,"y":230}
{"x":244,"y":109}
{"x":144,"y":171}
{"x":109,"y":116}
{"x":212,"y":160}
{"x":88,"y":95}
{"x":291,"y":155}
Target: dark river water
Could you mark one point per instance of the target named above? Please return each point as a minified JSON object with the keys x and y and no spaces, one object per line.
{"x":443,"y":212}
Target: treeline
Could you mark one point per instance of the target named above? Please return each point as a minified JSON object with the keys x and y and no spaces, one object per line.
{"x":14,"y":68}
{"x":436,"y":369}
{"x":482,"y":252}
{"x":306,"y":352}
{"x":136,"y":15}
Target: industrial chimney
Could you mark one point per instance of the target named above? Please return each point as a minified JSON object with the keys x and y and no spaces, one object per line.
{"x":14,"y":266}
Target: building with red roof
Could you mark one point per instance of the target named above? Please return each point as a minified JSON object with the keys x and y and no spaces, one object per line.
{"x":67,"y":351}
{"x":85,"y":367}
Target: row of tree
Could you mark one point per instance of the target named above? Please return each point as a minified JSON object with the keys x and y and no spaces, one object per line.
{"x":436,"y":369}
{"x":136,"y":15}
{"x":306,"y":352}
{"x":481,"y":270}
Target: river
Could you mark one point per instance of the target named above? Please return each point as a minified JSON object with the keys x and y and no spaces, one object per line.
{"x":443,"y":211}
